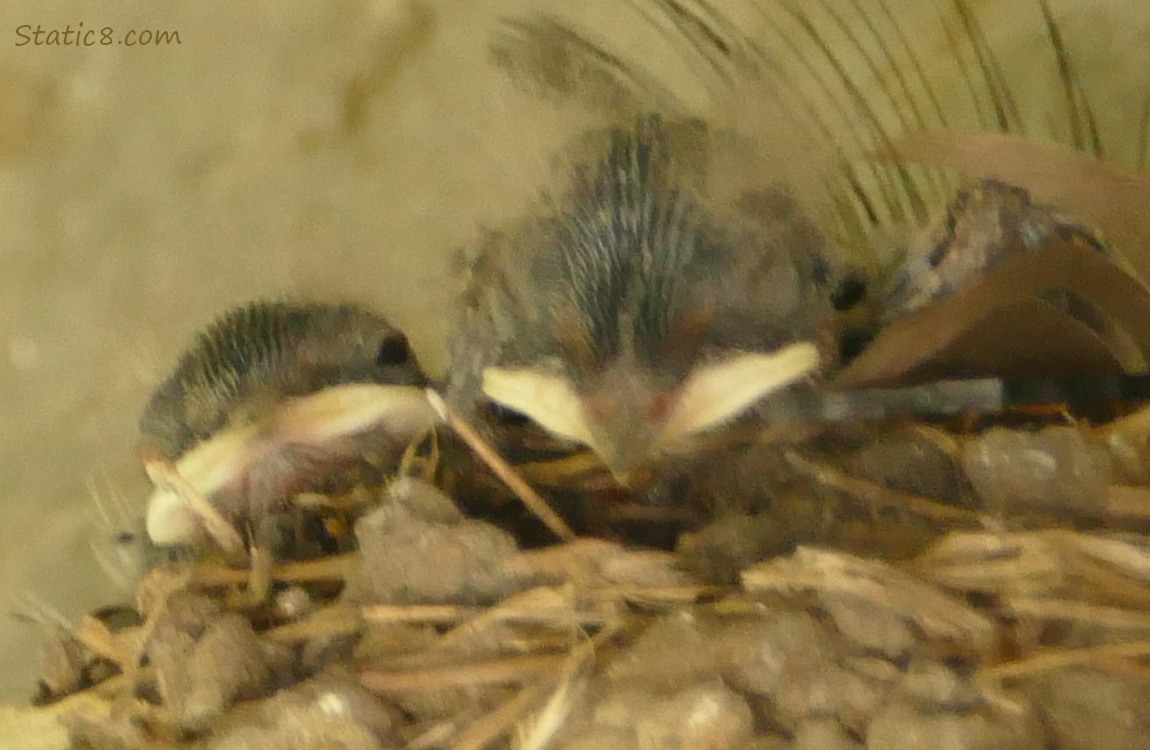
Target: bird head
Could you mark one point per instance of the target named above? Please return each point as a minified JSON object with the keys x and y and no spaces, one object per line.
{"x":272,"y":399}
{"x":635,"y":311}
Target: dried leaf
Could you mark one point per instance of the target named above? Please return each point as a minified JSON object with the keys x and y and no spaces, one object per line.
{"x":1110,"y":196}
{"x":999,"y":326}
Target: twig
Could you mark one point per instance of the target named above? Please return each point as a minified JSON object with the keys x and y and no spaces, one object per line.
{"x":879,"y":495}
{"x":152,"y":601}
{"x":330,"y":621}
{"x":508,"y":669}
{"x":165,"y":475}
{"x":498,"y":722}
{"x":436,"y":613}
{"x":1073,"y":657}
{"x":1080,"y":611}
{"x":328,"y":568}
{"x":502,"y":469}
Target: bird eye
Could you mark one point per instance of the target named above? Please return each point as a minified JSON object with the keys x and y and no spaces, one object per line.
{"x":850,"y":291}
{"x":393,"y":351}
{"x":124,"y":537}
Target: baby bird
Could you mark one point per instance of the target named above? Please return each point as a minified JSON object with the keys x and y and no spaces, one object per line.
{"x":645,"y":303}
{"x":273,"y":399}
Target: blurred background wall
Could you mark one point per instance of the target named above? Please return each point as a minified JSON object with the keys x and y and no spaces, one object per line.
{"x":339,"y":150}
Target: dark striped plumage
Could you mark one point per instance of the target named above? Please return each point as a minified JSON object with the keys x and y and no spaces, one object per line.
{"x":258,"y":354}
{"x":646,"y":265}
{"x":635,"y":259}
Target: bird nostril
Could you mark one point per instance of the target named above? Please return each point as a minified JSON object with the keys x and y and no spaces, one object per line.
{"x":659,"y":407}
{"x":598,"y":408}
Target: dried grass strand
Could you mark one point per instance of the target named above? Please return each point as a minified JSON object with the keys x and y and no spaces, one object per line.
{"x":508,"y":669}
{"x":880,"y":496}
{"x":529,"y":497}
{"x":1064,"y":659}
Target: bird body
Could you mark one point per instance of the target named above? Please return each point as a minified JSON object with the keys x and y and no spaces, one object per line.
{"x":646,"y":302}
{"x":275,"y":399}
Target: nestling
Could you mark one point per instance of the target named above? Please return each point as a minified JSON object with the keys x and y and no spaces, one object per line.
{"x":637,"y":308}
{"x":274,"y":399}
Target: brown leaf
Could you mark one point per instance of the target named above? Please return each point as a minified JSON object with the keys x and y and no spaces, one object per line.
{"x":1001,"y":326}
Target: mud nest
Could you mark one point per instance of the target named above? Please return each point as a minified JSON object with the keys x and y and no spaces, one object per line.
{"x":985,"y":588}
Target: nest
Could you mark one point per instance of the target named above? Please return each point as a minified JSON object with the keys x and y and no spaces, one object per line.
{"x":966,"y":588}
{"x":1013,"y":612}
